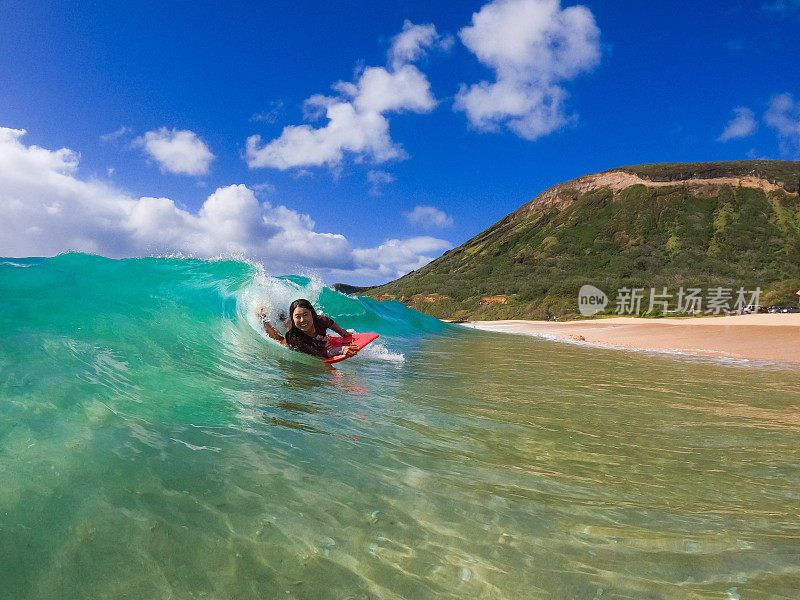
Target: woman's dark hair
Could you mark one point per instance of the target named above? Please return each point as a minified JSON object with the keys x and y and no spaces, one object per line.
{"x":300,"y":303}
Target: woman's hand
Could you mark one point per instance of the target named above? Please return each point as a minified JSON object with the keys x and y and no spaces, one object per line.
{"x":351,"y":350}
{"x":268,"y":328}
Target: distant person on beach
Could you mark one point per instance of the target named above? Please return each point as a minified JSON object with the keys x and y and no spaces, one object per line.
{"x":308,"y":331}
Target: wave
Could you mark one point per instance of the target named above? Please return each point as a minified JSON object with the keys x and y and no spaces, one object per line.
{"x":142,"y":329}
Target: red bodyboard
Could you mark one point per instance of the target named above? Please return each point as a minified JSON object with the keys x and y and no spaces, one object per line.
{"x":360,"y":339}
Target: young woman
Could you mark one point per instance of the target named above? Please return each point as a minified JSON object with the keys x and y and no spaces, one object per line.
{"x":308,"y":332}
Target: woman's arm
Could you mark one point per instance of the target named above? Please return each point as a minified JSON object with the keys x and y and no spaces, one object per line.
{"x":331,"y":324}
{"x":269,"y":329}
{"x":348,"y":350}
{"x":273,"y":333}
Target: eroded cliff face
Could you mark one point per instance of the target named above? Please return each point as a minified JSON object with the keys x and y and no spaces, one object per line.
{"x":562,"y":195}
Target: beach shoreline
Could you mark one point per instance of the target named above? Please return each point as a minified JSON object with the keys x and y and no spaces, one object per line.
{"x":760,"y":337}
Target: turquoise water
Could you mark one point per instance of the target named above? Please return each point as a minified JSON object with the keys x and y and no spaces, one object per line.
{"x":153,"y":444}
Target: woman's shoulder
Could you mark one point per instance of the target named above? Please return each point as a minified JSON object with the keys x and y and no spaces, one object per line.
{"x":323,"y":320}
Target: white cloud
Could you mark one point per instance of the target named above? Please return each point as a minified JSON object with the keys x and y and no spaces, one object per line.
{"x":376,"y":178}
{"x":395,"y":258}
{"x":753,"y":155}
{"x":265,"y":188}
{"x":410,"y":44}
{"x":180,"y":152}
{"x":115,"y":135}
{"x":347,"y":130}
{"x":357,"y":121}
{"x":270,"y":115}
{"x":742,"y":125}
{"x":429,"y":217}
{"x":45,"y":209}
{"x":783,"y":115}
{"x":533,"y":46}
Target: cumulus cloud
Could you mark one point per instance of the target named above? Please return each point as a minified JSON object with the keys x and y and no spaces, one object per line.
{"x":45,"y":209}
{"x":742,"y":125}
{"x":395,"y":258}
{"x":181,"y":152}
{"x":533,"y":46}
{"x":356,"y":117}
{"x":409,"y":45}
{"x":783,"y":115}
{"x":376,"y":178}
{"x":429,"y":217}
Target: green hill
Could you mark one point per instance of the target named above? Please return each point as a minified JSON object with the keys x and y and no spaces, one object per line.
{"x":701,"y":225}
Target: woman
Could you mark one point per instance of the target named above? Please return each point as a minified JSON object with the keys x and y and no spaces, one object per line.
{"x":308,"y":332}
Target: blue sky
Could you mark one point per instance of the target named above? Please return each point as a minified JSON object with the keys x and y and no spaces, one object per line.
{"x":456,"y":114}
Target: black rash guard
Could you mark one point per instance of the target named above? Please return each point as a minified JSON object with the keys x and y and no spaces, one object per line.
{"x":316,"y":346}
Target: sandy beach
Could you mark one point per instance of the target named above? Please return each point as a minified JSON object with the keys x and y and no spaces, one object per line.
{"x":763,"y":337}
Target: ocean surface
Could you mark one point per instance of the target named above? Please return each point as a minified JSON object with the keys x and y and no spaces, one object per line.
{"x":154,"y":444}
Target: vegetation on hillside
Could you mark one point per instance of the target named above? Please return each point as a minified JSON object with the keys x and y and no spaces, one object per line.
{"x":642,"y":236}
{"x":780,"y":172}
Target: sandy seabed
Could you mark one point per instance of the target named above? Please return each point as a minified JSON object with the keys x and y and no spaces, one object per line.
{"x":762,"y":337}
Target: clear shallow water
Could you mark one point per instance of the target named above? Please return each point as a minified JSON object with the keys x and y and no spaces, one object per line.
{"x":154,"y":445}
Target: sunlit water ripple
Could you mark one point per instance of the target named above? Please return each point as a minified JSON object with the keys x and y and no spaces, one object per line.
{"x":154,"y":445}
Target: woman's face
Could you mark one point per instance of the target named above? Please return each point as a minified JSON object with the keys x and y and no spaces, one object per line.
{"x":303,"y":319}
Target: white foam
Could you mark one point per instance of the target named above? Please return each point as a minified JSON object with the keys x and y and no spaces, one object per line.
{"x":13,"y":264}
{"x":270,"y":296}
{"x":380,"y":352}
